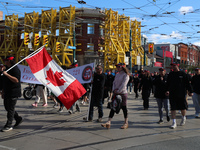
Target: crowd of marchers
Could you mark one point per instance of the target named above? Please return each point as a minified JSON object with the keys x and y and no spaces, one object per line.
{"x":169,"y":89}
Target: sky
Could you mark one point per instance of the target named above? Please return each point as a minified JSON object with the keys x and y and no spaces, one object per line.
{"x":163,"y":21}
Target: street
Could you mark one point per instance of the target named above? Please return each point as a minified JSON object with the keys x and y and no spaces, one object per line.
{"x":44,"y":128}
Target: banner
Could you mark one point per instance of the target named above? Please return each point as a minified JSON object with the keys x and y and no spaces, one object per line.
{"x":83,"y":74}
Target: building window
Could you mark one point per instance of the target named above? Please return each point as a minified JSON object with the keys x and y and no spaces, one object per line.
{"x":90,"y":29}
{"x":90,"y":47}
{"x":101,"y":32}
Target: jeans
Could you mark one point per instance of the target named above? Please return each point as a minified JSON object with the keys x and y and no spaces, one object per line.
{"x":9,"y":104}
{"x":196,"y":102}
{"x":129,"y":85}
{"x":160,"y":103}
{"x":91,"y":110}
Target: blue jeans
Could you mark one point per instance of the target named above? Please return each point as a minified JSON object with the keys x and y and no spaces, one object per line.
{"x":100,"y":110}
{"x":196,"y":102}
{"x":160,"y":103}
{"x":129,"y":84}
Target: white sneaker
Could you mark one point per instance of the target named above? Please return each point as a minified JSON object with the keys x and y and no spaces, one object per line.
{"x":173,"y":126}
{"x":183,"y":121}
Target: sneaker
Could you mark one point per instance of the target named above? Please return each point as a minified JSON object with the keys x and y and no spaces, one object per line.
{"x":70,"y":112}
{"x":173,"y":126}
{"x":18,"y":121}
{"x":87,"y":120}
{"x":168,"y":118}
{"x":197,"y":116}
{"x":160,"y":122}
{"x":55,"y":105}
{"x":45,"y":105}
{"x":183,"y":122}
{"x":60,"y":109}
{"x":99,"y":120}
{"x":6,"y":129}
{"x":34,"y":105}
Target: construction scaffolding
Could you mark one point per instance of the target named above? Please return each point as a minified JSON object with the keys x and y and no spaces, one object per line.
{"x":56,"y":30}
{"x":117,"y":39}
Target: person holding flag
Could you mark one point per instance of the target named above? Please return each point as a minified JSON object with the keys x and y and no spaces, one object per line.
{"x":11,"y":91}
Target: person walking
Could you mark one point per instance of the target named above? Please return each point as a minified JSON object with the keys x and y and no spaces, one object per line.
{"x":41,"y":92}
{"x":146,"y":86}
{"x":177,"y":86}
{"x":136,"y":82}
{"x":108,"y":84}
{"x":196,"y":91}
{"x":159,"y":93}
{"x":97,"y":94}
{"x":120,"y":88}
{"x":11,"y":91}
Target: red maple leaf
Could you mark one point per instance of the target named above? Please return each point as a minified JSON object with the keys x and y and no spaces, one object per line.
{"x":55,"y":79}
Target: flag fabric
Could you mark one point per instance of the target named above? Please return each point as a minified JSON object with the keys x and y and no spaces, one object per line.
{"x":63,"y":85}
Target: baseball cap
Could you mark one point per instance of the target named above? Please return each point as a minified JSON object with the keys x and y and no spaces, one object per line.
{"x":161,"y":69}
{"x":120,"y":64}
{"x":174,"y":64}
{"x":196,"y":69}
{"x":74,"y":64}
{"x":8,"y":58}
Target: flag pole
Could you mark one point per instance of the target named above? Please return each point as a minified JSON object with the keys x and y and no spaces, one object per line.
{"x":25,"y":58}
{"x":91,"y":91}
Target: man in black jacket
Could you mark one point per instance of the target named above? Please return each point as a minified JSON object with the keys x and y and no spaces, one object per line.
{"x":196,"y":95}
{"x":159,"y":93}
{"x":177,"y":86}
{"x":97,"y":94}
{"x":11,"y":91}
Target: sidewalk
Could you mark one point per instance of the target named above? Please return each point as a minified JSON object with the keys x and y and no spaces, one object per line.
{"x":46,"y":129}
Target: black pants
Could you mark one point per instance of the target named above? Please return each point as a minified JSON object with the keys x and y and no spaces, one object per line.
{"x":9,"y":104}
{"x":145,"y":97}
{"x":125,"y":112}
{"x":136,"y":92}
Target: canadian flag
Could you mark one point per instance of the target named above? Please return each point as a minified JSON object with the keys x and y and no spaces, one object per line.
{"x":63,"y":85}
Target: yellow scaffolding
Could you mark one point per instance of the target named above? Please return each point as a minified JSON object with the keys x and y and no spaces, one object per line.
{"x":117,"y":39}
{"x":48,"y":27}
{"x":10,"y":42}
{"x":66,"y":28}
{"x":31,"y":26}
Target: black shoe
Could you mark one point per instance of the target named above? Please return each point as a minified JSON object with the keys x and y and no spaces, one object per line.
{"x":160,"y":122}
{"x":18,"y":121}
{"x":85,"y":119}
{"x":6,"y":129}
{"x":168,"y":119}
{"x":145,"y":108}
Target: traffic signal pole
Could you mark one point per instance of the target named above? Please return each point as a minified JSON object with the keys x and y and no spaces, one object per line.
{"x":74,"y":44}
{"x":144,"y":52}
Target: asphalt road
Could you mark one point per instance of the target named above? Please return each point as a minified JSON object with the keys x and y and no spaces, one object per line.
{"x":46,"y":129}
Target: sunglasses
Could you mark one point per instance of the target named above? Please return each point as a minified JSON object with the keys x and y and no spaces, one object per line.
{"x":119,"y":66}
{"x":98,"y":68}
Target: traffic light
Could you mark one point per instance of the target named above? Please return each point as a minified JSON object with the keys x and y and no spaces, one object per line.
{"x":45,"y":40}
{"x":26,"y":38}
{"x":58,"y":47}
{"x":37,"y":39}
{"x":151,"y":48}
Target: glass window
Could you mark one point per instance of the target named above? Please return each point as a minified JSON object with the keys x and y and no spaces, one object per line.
{"x":90,"y":47}
{"x":90,"y":29}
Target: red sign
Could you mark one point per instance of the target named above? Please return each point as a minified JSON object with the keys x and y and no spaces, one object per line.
{"x":158,"y":64}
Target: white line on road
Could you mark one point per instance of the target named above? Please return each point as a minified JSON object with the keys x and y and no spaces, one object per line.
{"x":9,"y":148}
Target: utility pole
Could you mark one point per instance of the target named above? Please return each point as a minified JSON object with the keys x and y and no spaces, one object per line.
{"x":144,"y":52}
{"x":74,"y":44}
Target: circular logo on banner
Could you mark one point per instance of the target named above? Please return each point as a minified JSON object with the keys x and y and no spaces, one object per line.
{"x":87,"y":73}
